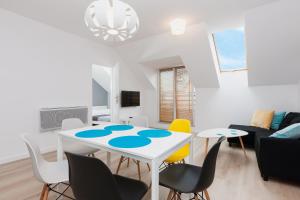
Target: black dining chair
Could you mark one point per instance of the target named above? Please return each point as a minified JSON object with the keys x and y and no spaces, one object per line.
{"x":185,"y":178}
{"x":91,"y":179}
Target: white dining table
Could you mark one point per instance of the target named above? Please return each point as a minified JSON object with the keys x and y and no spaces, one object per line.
{"x":155,"y":153}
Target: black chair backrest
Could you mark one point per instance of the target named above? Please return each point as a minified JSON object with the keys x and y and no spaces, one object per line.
{"x":91,"y":179}
{"x":209,"y":166}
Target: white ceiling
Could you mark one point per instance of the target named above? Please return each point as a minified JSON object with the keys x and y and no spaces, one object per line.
{"x":154,"y":14}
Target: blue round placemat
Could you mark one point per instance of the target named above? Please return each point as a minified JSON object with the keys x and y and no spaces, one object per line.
{"x":154,"y":133}
{"x":93,"y":133}
{"x":118,"y":127}
{"x":129,"y":142}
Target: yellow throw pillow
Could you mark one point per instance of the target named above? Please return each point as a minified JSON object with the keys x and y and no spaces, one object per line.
{"x":262,"y":119}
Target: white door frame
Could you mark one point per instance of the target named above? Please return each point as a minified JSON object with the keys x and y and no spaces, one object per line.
{"x":115,"y":96}
{"x":114,"y":91}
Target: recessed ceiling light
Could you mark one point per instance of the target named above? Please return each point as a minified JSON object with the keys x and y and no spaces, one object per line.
{"x":178,"y":26}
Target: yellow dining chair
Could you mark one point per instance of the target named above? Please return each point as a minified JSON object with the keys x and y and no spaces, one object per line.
{"x":180,"y":125}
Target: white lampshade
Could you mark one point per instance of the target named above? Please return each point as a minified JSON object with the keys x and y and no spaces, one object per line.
{"x":114,"y":20}
{"x":178,"y":26}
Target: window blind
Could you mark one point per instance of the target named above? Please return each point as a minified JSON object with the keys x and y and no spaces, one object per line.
{"x":183,"y":95}
{"x":176,"y":95}
{"x":166,"y":95}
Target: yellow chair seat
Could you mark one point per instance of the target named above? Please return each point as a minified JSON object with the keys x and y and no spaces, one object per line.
{"x":180,"y":125}
{"x":179,"y":155}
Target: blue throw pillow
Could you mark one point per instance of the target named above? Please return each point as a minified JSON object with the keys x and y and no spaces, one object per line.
{"x":292,"y":131}
{"x":277,"y":119}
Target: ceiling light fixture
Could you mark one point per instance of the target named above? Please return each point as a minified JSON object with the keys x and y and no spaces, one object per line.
{"x":178,"y":26}
{"x":114,"y":20}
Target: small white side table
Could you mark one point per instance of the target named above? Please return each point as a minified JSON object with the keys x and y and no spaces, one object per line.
{"x":219,"y":132}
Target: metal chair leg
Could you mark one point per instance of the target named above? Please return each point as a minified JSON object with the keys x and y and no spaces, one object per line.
{"x":51,"y":187}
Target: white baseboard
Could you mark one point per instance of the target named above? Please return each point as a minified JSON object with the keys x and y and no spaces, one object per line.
{"x":24,"y":155}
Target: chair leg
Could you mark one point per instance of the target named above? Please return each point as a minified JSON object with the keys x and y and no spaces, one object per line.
{"x":206,"y":195}
{"x":43,"y":192}
{"x":170,"y":195}
{"x":119,"y":165}
{"x":139,"y":169}
{"x":128,"y":162}
{"x":178,"y":196}
{"x":196,"y":196}
{"x":148,"y":167}
{"x":46,"y":193}
{"x":174,"y":196}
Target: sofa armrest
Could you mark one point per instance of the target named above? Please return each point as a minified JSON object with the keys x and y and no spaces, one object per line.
{"x":248,"y":129}
{"x":279,"y":157}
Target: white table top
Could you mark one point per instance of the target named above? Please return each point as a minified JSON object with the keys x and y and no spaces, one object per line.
{"x":219,"y":132}
{"x":156,"y":149}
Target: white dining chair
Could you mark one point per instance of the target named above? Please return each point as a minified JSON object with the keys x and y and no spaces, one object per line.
{"x":51,"y":174}
{"x":72,"y":146}
{"x":141,"y":121}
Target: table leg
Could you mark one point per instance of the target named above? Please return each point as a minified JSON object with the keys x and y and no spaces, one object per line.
{"x":206,"y":145}
{"x":155,"y":180}
{"x":242,"y":144}
{"x":60,"y":151}
{"x":60,"y":157}
{"x":191,"y":155}
{"x":108,"y":159}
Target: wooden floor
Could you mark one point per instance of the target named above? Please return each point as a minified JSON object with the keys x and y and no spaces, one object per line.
{"x":237,"y":178}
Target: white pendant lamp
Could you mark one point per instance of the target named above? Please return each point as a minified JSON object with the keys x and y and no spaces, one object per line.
{"x":113,"y":20}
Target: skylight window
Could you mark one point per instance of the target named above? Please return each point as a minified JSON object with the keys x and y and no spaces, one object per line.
{"x":231,"y":50}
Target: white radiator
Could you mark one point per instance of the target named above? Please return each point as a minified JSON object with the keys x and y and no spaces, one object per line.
{"x":51,"y":118}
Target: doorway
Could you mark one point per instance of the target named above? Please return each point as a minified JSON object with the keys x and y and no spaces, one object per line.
{"x":103,"y":93}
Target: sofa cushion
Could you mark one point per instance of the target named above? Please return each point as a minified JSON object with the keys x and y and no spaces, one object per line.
{"x":292,"y":131}
{"x":288,"y":119}
{"x":262,"y":119}
{"x":277,"y":119}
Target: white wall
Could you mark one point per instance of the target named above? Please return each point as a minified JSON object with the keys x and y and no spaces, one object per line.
{"x":129,"y":82}
{"x":299,"y":96}
{"x":41,"y":66}
{"x":234,"y":102}
{"x":272,"y":36}
{"x":102,"y":75}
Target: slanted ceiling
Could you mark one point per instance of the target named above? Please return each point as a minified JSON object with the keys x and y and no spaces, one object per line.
{"x":191,"y":49}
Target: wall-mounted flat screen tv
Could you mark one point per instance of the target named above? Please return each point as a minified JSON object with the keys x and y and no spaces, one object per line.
{"x":130,"y":98}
